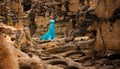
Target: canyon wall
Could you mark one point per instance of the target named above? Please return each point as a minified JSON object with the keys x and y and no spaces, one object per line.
{"x":98,"y":19}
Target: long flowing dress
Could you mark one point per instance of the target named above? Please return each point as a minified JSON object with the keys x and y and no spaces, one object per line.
{"x":50,"y":34}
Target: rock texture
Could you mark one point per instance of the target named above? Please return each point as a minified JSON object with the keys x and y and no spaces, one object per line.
{"x":8,"y":57}
{"x":87,"y":34}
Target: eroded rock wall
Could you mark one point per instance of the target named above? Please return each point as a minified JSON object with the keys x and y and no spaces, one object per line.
{"x":8,"y":57}
{"x":73,"y":18}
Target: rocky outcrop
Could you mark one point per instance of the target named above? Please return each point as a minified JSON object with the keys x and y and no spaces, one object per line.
{"x":87,"y":31}
{"x":8,"y":57}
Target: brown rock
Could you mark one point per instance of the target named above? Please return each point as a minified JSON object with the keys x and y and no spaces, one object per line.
{"x":8,"y":57}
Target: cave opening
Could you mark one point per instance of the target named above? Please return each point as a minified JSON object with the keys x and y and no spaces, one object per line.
{"x":58,"y":62}
{"x":114,"y":56}
{"x":59,"y":6}
{"x":82,"y":2}
{"x":115,"y":16}
{"x":73,"y":68}
{"x":67,"y":5}
{"x":90,"y":16}
{"x":73,"y":21}
{"x":26,"y":5}
{"x":23,"y":67}
{"x":94,"y":32}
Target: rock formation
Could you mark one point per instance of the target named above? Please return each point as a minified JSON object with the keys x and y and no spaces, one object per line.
{"x":87,"y":31}
{"x":8,"y":57}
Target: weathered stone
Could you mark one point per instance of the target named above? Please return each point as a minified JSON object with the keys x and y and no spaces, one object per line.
{"x":104,"y":41}
{"x":74,"y":7}
{"x":104,"y":10}
{"x":61,"y":49}
{"x":88,"y":53}
{"x":8,"y":57}
{"x":74,"y":1}
{"x":106,"y":67}
{"x":90,"y":68}
{"x":72,"y":18}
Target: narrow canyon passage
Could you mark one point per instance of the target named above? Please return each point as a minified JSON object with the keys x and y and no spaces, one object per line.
{"x":87,"y":34}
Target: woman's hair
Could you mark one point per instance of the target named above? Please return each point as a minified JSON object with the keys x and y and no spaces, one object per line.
{"x":51,"y":17}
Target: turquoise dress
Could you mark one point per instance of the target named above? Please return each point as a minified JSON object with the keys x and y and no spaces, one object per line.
{"x":50,"y":34}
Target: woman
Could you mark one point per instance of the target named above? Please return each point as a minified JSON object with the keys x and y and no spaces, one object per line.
{"x":50,"y":34}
